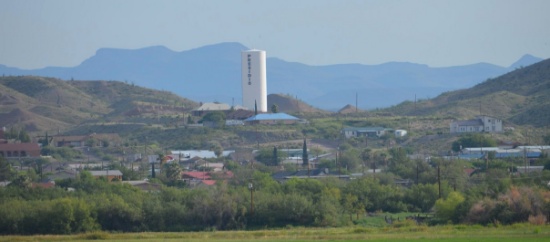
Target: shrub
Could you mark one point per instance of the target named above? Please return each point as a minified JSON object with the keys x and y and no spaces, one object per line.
{"x":537,"y":219}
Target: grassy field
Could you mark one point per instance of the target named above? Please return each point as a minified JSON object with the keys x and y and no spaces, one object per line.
{"x":397,"y":232}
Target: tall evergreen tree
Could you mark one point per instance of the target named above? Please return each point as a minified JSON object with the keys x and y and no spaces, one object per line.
{"x":153,"y":175}
{"x":305,"y":159}
{"x":275,"y":156}
{"x":46,"y":141}
{"x":255,"y":108}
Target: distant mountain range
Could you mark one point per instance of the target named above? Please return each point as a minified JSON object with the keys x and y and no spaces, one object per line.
{"x":212,"y":73}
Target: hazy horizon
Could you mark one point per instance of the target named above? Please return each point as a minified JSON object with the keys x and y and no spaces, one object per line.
{"x":64,"y":33}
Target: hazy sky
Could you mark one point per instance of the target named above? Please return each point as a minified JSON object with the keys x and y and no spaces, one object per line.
{"x":35,"y":34}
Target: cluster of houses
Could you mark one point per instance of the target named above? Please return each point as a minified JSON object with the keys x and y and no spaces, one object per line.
{"x":528,"y":153}
{"x":32,"y":149}
{"x":479,"y":124}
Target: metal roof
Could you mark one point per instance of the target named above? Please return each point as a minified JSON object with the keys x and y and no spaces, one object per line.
{"x":364,"y":129}
{"x":271,"y":116}
{"x":106,"y":172}
{"x":472,"y":122}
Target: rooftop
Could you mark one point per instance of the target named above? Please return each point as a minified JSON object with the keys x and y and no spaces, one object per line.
{"x":364,"y":129}
{"x":271,"y":116}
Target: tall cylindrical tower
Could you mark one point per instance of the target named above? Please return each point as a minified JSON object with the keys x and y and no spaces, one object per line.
{"x":254,"y":80}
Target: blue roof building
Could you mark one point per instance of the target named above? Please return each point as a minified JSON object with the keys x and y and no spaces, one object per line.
{"x":272,"y":118}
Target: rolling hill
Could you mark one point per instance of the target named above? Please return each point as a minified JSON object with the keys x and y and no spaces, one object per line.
{"x":50,"y":104}
{"x":288,"y":104}
{"x":521,"y":97}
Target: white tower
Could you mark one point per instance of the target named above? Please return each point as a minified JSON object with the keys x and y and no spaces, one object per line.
{"x":254,"y":79}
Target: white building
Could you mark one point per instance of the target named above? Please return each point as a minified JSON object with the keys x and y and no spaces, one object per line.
{"x":350,"y":132}
{"x":254,"y":80}
{"x":480,"y":124}
{"x":400,"y":133}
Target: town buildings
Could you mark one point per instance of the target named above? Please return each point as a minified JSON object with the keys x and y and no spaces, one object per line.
{"x":477,"y":125}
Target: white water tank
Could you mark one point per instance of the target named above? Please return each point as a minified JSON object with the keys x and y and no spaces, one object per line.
{"x":254,"y":80}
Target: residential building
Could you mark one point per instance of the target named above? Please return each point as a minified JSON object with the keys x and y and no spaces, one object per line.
{"x":183,"y":155}
{"x":350,"y":132}
{"x":477,"y":125}
{"x":19,"y":150}
{"x":70,"y":141}
{"x":84,"y":140}
{"x":311,"y":173}
{"x":196,"y":178}
{"x":109,"y":174}
{"x":531,"y":152}
{"x":216,"y":107}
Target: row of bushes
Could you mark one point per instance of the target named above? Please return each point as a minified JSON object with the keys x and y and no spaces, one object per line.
{"x":99,"y":205}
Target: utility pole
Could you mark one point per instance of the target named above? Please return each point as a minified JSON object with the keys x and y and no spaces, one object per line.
{"x":356,"y":102}
{"x":439,"y":179}
{"x":417,"y":172}
{"x":374,"y":169}
{"x":251,"y":188}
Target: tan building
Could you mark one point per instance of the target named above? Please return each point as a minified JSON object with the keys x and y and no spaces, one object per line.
{"x":109,"y":174}
{"x":20,"y":150}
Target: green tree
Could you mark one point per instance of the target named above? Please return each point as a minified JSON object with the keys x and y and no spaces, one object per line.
{"x":46,"y":141}
{"x":217,"y":148}
{"x":215,"y":117}
{"x":12,"y":133}
{"x":421,"y":197}
{"x":267,"y":156}
{"x":275,"y":156}
{"x":546,"y":139}
{"x":445,"y":208}
{"x":24,"y":136}
{"x":6,"y":171}
{"x":153,"y":172}
{"x":21,"y":181}
{"x":172,"y":171}
{"x":473,"y":140}
{"x":274,"y":108}
{"x":351,"y":204}
{"x":350,"y":159}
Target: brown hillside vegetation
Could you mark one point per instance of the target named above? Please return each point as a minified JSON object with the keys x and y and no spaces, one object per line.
{"x":288,"y":104}
{"x":43,"y":104}
{"x":521,"y":97}
{"x":29,"y":121}
{"x":350,"y":109}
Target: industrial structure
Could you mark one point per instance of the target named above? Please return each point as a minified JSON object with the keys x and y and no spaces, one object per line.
{"x":254,"y":80}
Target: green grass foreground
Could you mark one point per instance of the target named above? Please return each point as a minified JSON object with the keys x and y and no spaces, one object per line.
{"x":399,"y":232}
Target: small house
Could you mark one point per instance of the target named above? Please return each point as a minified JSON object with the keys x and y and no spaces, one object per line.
{"x":350,"y":132}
